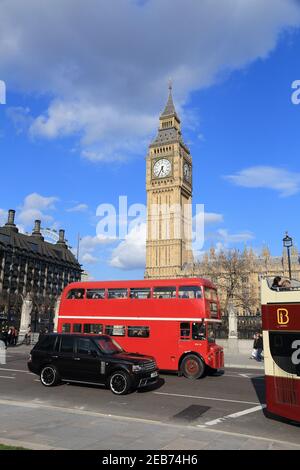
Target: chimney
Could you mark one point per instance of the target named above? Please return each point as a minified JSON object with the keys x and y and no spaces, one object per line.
{"x":61,"y":240}
{"x":37,"y":230}
{"x":11,"y":220}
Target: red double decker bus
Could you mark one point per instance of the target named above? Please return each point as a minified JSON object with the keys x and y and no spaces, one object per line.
{"x":173,"y":320}
{"x":281,"y":338}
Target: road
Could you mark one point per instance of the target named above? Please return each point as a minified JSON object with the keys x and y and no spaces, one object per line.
{"x":224,"y":411}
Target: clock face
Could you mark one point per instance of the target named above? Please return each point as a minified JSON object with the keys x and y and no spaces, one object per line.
{"x":186,"y":171}
{"x":162,"y":168}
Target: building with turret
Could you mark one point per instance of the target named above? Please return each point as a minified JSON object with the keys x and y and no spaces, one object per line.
{"x":29,"y":265}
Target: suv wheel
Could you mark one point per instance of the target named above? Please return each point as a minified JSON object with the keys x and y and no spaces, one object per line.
{"x":49,"y":376}
{"x":192,"y":367}
{"x":119,"y":382}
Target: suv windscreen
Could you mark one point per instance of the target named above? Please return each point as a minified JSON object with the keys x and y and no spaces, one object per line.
{"x":108,"y":345}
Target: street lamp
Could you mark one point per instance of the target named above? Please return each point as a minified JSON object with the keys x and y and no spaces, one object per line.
{"x":288,"y":243}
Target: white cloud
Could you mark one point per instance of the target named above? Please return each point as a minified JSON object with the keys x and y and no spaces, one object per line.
{"x":278,"y":179}
{"x":88,"y":243}
{"x":3,"y":217}
{"x":87,"y":258}
{"x":33,"y":208}
{"x":232,"y":238}
{"x":88,"y":248}
{"x":78,"y":208}
{"x":131,"y":252}
{"x":213,"y":218}
{"x":108,"y":87}
{"x":20,"y":117}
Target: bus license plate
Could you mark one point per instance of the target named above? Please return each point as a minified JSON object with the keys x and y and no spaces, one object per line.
{"x":154,"y":374}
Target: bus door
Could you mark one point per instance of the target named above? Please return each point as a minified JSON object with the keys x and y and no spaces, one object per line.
{"x":192,"y":335}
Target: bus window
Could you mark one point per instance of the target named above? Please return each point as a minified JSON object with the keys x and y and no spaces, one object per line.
{"x":185,"y":330}
{"x":211,"y":332}
{"x":138,"y":331}
{"x":95,"y":293}
{"x":214,"y":294}
{"x":76,"y":294}
{"x":207,"y":292}
{"x":117,"y":293}
{"x":190,"y":292}
{"x":92,"y":328}
{"x":115,"y":330}
{"x":66,"y":328}
{"x":213,"y":309}
{"x":164,"y":292}
{"x":140,"y":293}
{"x":198,"y":330}
{"x":77,"y":328}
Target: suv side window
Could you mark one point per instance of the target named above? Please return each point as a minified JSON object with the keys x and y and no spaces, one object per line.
{"x":85,"y":346}
{"x":67,"y":343}
{"x":47,"y":343}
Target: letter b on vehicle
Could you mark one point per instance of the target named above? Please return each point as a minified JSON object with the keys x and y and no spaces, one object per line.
{"x":282,"y":316}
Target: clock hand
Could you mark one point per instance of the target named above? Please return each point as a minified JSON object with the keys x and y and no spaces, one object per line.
{"x":161,"y":170}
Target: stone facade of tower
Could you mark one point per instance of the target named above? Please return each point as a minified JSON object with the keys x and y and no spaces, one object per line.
{"x":169,"y":200}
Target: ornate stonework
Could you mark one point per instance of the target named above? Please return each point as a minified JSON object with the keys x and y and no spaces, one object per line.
{"x":169,"y":198}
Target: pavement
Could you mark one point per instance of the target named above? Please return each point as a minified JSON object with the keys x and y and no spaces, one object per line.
{"x":225,"y":410}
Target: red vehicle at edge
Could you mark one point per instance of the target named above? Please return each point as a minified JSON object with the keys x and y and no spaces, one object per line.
{"x":173,"y":320}
{"x":281,"y":335}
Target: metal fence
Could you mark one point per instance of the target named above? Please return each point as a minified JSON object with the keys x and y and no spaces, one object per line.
{"x":247,"y":327}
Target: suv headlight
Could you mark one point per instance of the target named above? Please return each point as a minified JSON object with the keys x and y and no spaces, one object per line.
{"x":137,"y":368}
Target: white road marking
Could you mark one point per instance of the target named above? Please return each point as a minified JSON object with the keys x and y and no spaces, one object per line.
{"x":16,"y":370}
{"x":6,"y":377}
{"x":244,"y":376}
{"x":235,"y":415}
{"x":207,"y":398}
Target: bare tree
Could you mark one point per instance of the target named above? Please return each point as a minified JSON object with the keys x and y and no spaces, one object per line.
{"x":230,"y":271}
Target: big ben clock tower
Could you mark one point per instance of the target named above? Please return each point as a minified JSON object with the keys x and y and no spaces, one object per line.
{"x":169,"y":199}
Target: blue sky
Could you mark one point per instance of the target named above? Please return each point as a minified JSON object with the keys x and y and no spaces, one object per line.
{"x":83,"y":104}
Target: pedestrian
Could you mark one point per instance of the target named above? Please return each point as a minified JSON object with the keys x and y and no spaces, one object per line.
{"x":16,"y":337}
{"x":10,"y":335}
{"x":276,"y":283}
{"x":260,"y":347}
{"x":28,"y":335}
{"x":5,"y":337}
{"x":254,"y":349}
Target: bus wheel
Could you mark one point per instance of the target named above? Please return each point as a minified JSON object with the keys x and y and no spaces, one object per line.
{"x":119,"y":382}
{"x":49,"y":376}
{"x":192,"y":367}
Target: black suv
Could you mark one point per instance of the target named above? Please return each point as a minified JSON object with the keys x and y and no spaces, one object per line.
{"x":91,"y":359}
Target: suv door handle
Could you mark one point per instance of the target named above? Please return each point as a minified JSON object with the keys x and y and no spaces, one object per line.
{"x":76,"y":358}
{"x":54,"y":357}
